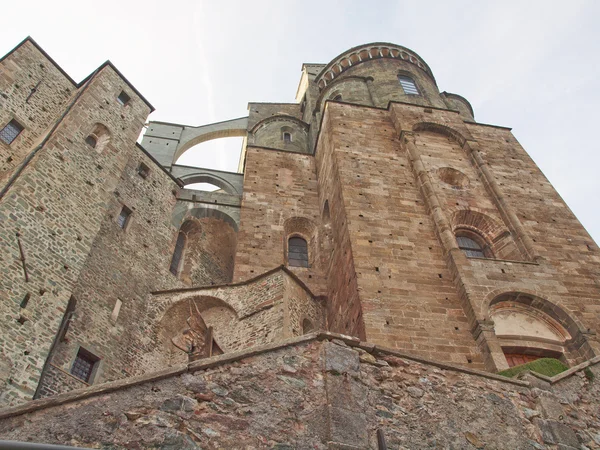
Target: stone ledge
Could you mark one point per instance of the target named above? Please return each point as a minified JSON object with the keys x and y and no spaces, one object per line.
{"x":208,"y":363}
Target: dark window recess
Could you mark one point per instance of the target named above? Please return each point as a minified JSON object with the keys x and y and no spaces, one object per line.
{"x":287,"y":137}
{"x":470,"y":247}
{"x":84,"y":365}
{"x":123,"y":98}
{"x":177,"y":254}
{"x":10,"y":132}
{"x":337,"y":98}
{"x":297,"y":252}
{"x":408,"y":85}
{"x":143,"y":170}
{"x":124,"y":217}
{"x":91,"y":141}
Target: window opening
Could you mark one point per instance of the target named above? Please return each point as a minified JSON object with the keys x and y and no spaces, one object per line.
{"x":287,"y":137}
{"x":124,"y":217}
{"x":297,"y":252}
{"x":177,"y":253}
{"x":10,"y":132}
{"x":470,"y":247}
{"x":408,"y":85}
{"x":91,"y":141}
{"x":337,"y":98}
{"x":123,"y":98}
{"x":84,"y":365}
{"x":143,"y":170}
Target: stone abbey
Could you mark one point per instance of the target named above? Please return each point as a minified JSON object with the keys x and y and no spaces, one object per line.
{"x":375,"y":236}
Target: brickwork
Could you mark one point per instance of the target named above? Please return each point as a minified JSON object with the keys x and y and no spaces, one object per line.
{"x":277,"y":186}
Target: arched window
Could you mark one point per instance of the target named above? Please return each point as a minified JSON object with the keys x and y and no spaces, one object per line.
{"x":472,"y":244}
{"x":98,"y":138}
{"x":337,"y":98}
{"x":297,"y":252}
{"x":287,"y":137}
{"x":177,"y":253}
{"x":408,"y":84}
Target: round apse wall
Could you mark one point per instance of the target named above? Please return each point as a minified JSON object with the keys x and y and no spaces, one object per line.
{"x":453,"y":177}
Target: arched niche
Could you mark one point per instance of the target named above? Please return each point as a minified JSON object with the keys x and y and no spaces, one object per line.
{"x":184,"y":334}
{"x":527,"y":324}
{"x":209,"y":253}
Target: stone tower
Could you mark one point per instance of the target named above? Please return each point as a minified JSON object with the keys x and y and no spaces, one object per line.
{"x":375,"y":206}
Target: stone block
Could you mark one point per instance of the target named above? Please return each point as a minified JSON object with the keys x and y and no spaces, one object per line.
{"x":340,"y":360}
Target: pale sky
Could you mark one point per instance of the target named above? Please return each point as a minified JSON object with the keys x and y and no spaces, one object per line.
{"x":529,"y":65}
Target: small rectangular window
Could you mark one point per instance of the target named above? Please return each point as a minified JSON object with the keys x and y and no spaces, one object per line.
{"x":10,"y":132}
{"x":84,"y":365}
{"x":143,"y":170}
{"x":124,"y":217}
{"x":123,"y":98}
{"x":408,"y":85}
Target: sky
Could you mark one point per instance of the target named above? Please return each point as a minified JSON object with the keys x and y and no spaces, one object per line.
{"x":530,"y":65}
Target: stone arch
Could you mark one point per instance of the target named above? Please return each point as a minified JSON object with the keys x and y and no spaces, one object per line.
{"x":201,"y":212}
{"x":211,"y":179}
{"x":192,"y":136}
{"x":527,"y":322}
{"x":439,"y":128}
{"x":196,"y":314}
{"x":304,"y":228}
{"x":368,"y":52}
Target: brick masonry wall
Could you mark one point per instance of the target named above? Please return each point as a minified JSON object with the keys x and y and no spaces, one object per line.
{"x":22,"y":71}
{"x":277,"y":186}
{"x":406,"y":291}
{"x":323,"y":395}
{"x":56,"y":206}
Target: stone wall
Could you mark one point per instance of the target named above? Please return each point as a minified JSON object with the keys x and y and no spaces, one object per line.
{"x":52,"y":212}
{"x":35,"y":93}
{"x":277,"y":186}
{"x":123,"y":265}
{"x":319,"y":394}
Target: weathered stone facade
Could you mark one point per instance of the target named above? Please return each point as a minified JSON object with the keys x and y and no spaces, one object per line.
{"x":324,"y":394}
{"x":375,"y":207}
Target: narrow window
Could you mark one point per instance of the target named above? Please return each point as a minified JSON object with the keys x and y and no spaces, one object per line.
{"x":408,"y":85}
{"x":143,"y":170}
{"x":124,"y":217}
{"x":91,"y":141}
{"x":307,"y":326}
{"x":471,"y":247}
{"x":123,"y":98}
{"x":84,"y":365}
{"x":297,"y":252}
{"x":177,"y":253}
{"x":287,"y":137}
{"x":10,"y":132}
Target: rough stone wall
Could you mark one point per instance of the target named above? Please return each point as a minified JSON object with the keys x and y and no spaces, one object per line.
{"x":300,"y":306}
{"x":22,"y":71}
{"x":406,"y":290}
{"x":277,"y":186}
{"x":209,"y":252}
{"x":126,"y":265}
{"x":55,"y":209}
{"x":270,"y":134}
{"x":262,"y":111}
{"x":320,"y":395}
